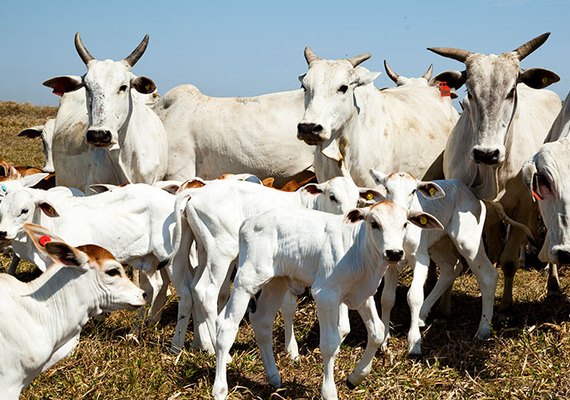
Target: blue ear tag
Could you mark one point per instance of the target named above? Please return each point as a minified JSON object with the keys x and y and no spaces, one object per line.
{"x":4,"y":188}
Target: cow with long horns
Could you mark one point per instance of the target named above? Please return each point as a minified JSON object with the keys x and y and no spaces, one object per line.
{"x":123,"y":139}
{"x":506,"y":117}
{"x":357,"y":127}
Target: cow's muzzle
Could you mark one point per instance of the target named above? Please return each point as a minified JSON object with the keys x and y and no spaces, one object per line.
{"x":393,"y":255}
{"x":311,"y":134}
{"x":486,"y":156}
{"x":99,"y":138}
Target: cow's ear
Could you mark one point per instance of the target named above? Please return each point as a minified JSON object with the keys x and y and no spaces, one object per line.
{"x":431,"y":190}
{"x":369,"y":196}
{"x":32,"y":132}
{"x":64,"y":84}
{"x":48,"y":209}
{"x":424,"y":220}
{"x":32,"y":180}
{"x":191,"y":184}
{"x":67,"y":255}
{"x":453,"y":79}
{"x":538,"y":78}
{"x":312,"y":188}
{"x":378,"y":176}
{"x":361,"y":76}
{"x":355,"y":215}
{"x":268,"y":182}
{"x":143,"y":85}
{"x":40,"y":236}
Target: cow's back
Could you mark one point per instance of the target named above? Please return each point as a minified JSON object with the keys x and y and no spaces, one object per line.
{"x":210,"y":136}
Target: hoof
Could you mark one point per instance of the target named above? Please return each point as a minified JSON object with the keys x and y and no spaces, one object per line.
{"x":350,"y":385}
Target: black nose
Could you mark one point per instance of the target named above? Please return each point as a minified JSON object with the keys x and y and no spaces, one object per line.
{"x":489,"y":157}
{"x":562,"y":255}
{"x":308,"y":129}
{"x":98,"y":137}
{"x":394,"y":255}
{"x":145,"y":295}
{"x":3,"y":234}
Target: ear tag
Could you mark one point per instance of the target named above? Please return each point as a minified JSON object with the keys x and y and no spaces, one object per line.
{"x":444,"y":90}
{"x":423,"y":220}
{"x":432,"y":192}
{"x":4,"y":188}
{"x":43,"y":240}
{"x":537,"y":196}
{"x":370,"y":196}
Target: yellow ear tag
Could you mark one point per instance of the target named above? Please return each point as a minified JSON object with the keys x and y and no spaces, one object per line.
{"x":370,"y":196}
{"x":432,"y":192}
{"x":423,"y":220}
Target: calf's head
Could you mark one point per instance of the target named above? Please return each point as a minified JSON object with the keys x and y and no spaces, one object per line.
{"x":386,"y":227}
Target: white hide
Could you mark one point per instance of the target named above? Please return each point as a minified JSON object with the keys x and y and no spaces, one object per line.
{"x":342,"y":259}
{"x":41,"y":320}
{"x":45,"y":132}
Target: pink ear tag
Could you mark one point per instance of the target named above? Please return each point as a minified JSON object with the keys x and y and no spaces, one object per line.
{"x":43,"y":240}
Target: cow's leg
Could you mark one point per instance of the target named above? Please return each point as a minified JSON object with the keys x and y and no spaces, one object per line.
{"x":449,"y":269}
{"x":487,"y":277}
{"x":181,"y":278}
{"x":330,"y":337}
{"x":262,"y":323}
{"x":375,"y":330}
{"x":206,"y":290}
{"x":288,"y":308}
{"x":160,"y":298}
{"x":553,"y":285}
{"x":509,"y":263}
{"x":388,"y":299}
{"x":415,"y":300}
{"x":228,"y":324}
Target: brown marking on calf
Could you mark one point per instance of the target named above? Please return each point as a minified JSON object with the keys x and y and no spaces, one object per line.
{"x":294,"y":185}
{"x":96,"y":253}
{"x":26,"y":171}
{"x":268,"y":182}
{"x":194,"y":183}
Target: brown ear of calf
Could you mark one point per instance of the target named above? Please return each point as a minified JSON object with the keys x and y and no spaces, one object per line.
{"x":294,"y":185}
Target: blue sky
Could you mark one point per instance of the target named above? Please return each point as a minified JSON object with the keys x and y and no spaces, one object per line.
{"x":247,"y":48}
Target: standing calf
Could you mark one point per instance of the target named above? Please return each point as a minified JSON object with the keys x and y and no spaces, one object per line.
{"x":342,"y":258}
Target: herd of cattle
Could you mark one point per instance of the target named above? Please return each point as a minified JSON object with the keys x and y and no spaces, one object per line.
{"x":169,"y":185}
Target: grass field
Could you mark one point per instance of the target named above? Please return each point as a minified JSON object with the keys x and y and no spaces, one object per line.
{"x":528,"y":356}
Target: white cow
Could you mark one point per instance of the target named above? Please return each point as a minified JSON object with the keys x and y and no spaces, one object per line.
{"x":505,"y":120}
{"x":357,"y":127}
{"x":41,"y":320}
{"x":210,"y":136}
{"x":214,"y":215}
{"x":45,"y":132}
{"x":401,"y":80}
{"x":134,"y":223}
{"x":546,"y":176}
{"x":463,"y":217}
{"x":342,"y":259}
{"x":123,"y":139}
{"x":561,"y":126}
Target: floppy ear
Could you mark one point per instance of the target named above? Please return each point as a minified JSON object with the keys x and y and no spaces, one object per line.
{"x":454,"y":79}
{"x":67,"y":255}
{"x":64,"y":84}
{"x":431,"y":190}
{"x":312,"y":188}
{"x":361,"y":76}
{"x":379,"y":177}
{"x":355,"y":215}
{"x":369,"y":197}
{"x":143,"y":85}
{"x":32,"y":180}
{"x":32,"y":132}
{"x":102,"y":187}
{"x":268,"y":181}
{"x":424,"y":220}
{"x":538,"y":78}
{"x":191,"y":184}
{"x":48,"y":209}
{"x":40,"y":236}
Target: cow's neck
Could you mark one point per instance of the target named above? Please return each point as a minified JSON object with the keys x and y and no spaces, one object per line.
{"x":61,"y":300}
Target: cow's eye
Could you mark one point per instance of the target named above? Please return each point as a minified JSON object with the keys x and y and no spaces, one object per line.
{"x":405,"y":225}
{"x":343,"y":89}
{"x":123,"y":88}
{"x":332,"y":197}
{"x":24,"y":211}
{"x":113,"y":272}
{"x":374,"y":225}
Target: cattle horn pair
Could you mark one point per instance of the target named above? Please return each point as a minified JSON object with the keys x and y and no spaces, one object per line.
{"x":394,"y":76}
{"x":522,"y":51}
{"x":310,"y":56}
{"x":131,"y":59}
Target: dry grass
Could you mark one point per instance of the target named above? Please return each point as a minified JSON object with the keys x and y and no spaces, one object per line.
{"x":527,"y":358}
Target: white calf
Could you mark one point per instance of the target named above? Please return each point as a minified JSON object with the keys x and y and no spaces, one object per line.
{"x":463,"y":216}
{"x":41,"y":320}
{"x":215,"y":213}
{"x":342,"y":258}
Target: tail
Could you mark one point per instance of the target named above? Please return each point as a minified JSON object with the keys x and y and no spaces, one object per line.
{"x":508,"y":220}
{"x":179,"y":206}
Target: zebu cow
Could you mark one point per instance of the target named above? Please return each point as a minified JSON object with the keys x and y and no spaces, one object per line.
{"x":209,"y":136}
{"x":124,"y":139}
{"x":401,"y":80}
{"x":357,"y":127}
{"x":561,"y":126}
{"x":505,"y":120}
{"x":41,"y":320}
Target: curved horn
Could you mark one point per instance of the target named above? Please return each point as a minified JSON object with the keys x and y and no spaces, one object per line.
{"x":310,"y":56}
{"x":456,"y":54}
{"x":81,"y":50}
{"x":394,"y":76}
{"x":137,"y":53}
{"x":427,"y":75}
{"x":530,"y":46}
{"x":359,"y":59}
